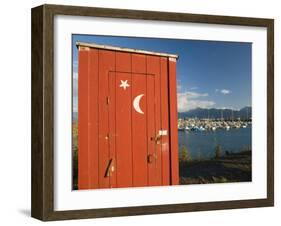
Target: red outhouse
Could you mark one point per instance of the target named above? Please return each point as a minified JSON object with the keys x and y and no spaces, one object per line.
{"x":127,"y":117}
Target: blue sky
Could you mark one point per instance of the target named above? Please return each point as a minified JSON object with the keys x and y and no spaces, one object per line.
{"x":210,"y":74}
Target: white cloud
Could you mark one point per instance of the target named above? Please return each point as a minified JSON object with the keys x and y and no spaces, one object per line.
{"x":225,"y":91}
{"x":189,"y":100}
{"x":75,"y":65}
{"x":193,"y":88}
{"x":75,"y":91}
{"x":75,"y":86}
{"x":75,"y":104}
{"x":192,"y":95}
{"x":179,"y":86}
{"x":75,"y":75}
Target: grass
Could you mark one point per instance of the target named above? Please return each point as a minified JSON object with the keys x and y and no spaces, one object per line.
{"x":233,"y":167}
{"x":75,"y":156}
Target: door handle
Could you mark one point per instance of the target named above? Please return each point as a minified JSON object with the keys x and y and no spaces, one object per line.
{"x":110,"y":168}
{"x":156,"y":139}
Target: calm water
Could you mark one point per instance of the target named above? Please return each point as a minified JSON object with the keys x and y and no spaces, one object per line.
{"x":202,"y":144}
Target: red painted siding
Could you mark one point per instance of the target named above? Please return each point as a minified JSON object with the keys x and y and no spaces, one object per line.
{"x":139,"y":133}
{"x":153,"y":67}
{"x":123,"y":132}
{"x":173,"y":122}
{"x":116,"y":139}
{"x":165,"y":144}
{"x":83,"y":170}
{"x":93,"y":119}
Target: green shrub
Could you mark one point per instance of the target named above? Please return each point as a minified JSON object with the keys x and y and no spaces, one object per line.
{"x":184,"y":154}
{"x":75,"y":155}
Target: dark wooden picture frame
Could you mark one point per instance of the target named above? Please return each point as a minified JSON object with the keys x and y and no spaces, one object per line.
{"x":42,"y":203}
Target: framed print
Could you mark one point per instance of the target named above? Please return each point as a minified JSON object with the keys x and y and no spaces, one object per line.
{"x":141,"y":112}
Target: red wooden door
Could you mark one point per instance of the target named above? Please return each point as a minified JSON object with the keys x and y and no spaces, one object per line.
{"x":133,"y":133}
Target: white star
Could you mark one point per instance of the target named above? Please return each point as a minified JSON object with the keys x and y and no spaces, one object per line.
{"x":124,"y":84}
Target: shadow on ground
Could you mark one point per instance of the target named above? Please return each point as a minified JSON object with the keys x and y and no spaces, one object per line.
{"x":25,"y":212}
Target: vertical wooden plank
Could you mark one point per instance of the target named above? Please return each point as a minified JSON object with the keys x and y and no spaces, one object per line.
{"x":123,"y":62}
{"x":139,"y":63}
{"x":139,"y":121}
{"x":139,"y":136}
{"x":173,"y":122}
{"x":112,"y":128}
{"x":123,"y":130}
{"x":83,"y":155}
{"x":93,"y":119}
{"x":165,"y":150}
{"x":158,"y":119}
{"x":153,"y":67}
{"x":123,"y":135}
{"x":106,"y":64}
{"x":150,"y":120}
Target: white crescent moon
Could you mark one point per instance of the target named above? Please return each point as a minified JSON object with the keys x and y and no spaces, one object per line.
{"x":136,"y":103}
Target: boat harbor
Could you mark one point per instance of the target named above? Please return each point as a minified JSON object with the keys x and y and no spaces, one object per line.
{"x":195,"y":124}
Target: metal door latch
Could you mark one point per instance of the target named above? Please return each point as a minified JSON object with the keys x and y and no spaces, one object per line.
{"x":157,"y":139}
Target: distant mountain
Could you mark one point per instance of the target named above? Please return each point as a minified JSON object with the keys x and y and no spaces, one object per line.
{"x":214,"y":113}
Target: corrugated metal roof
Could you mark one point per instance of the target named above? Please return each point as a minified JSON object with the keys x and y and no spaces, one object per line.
{"x":121,"y":49}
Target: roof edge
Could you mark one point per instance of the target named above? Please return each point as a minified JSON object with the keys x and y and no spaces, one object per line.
{"x":121,"y":49}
